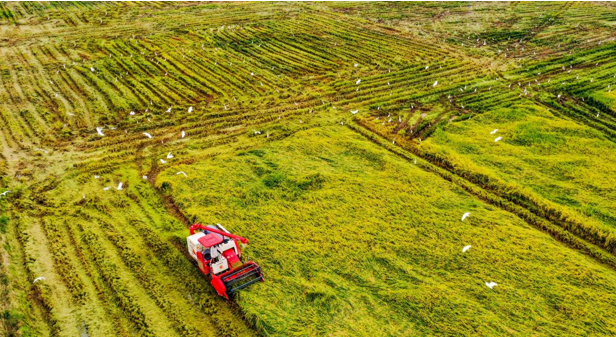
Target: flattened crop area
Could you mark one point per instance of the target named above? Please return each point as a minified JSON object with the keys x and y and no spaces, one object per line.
{"x":358,"y":241}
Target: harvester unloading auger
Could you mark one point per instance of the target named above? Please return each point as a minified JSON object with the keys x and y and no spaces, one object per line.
{"x":218,"y":254}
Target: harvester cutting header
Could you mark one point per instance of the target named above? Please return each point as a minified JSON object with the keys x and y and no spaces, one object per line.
{"x":218,"y":254}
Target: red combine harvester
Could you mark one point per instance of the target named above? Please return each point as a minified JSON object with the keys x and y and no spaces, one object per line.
{"x":218,"y":254}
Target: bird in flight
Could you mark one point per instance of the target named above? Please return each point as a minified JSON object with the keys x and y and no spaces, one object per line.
{"x":354,"y":111}
{"x":465,"y":215}
{"x":466,"y":248}
{"x":493,"y":131}
{"x":147,"y":135}
{"x":99,"y":130}
{"x":169,"y":155}
{"x":491,"y":284}
{"x":435,"y":83}
{"x":182,"y":172}
{"x":40,"y":278}
{"x":119,"y":188}
{"x":497,"y":139}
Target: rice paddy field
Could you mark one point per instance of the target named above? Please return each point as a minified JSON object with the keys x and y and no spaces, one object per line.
{"x":344,"y":140}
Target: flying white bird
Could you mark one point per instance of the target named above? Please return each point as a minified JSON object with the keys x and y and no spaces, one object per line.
{"x":183,"y":134}
{"x":145,"y":177}
{"x":91,"y":69}
{"x":132,"y":113}
{"x":99,"y":130}
{"x":106,"y":188}
{"x":147,"y":135}
{"x":119,"y":188}
{"x":169,"y":110}
{"x":190,"y":109}
{"x":491,"y":284}
{"x":4,"y":193}
{"x":356,"y":64}
{"x":435,"y":83}
{"x":427,"y":67}
{"x":40,"y":278}
{"x":497,"y":139}
{"x":162,"y":161}
{"x":466,"y":248}
{"x":354,"y":111}
{"x":493,"y":131}
{"x":358,"y":81}
{"x":182,"y":172}
{"x":169,"y":155}
{"x":96,"y":177}
{"x":465,"y":215}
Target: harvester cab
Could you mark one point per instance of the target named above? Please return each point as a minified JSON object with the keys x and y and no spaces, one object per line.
{"x":218,"y":255}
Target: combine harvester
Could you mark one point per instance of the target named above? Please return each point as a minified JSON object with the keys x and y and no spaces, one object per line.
{"x":218,"y":254}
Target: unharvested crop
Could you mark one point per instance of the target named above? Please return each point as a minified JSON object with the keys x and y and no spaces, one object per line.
{"x":344,"y":140}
